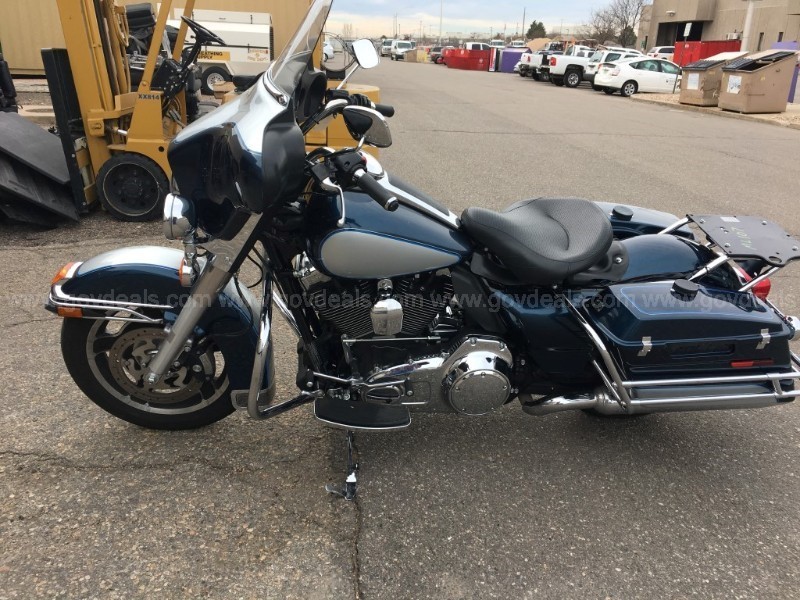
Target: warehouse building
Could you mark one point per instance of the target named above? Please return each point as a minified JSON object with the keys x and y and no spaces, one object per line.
{"x":758,"y":23}
{"x":27,"y":27}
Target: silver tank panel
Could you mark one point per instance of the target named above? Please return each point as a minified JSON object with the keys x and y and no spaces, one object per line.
{"x":366,"y":255}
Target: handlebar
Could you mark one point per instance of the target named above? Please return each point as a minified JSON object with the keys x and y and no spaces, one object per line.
{"x":385,"y":109}
{"x":376,"y":191}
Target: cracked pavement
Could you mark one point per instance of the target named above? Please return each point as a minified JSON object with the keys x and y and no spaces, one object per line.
{"x":509,"y":506}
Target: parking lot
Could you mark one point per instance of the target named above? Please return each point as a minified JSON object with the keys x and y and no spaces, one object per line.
{"x":508,"y":506}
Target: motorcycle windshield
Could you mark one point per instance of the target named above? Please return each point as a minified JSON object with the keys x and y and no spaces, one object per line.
{"x":286,"y":71}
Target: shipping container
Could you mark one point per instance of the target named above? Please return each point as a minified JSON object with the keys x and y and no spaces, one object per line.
{"x":691,"y":52}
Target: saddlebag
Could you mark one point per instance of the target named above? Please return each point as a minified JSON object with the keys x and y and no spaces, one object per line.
{"x":665,"y":329}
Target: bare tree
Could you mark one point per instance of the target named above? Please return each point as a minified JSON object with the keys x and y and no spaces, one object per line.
{"x":616,"y":22}
{"x":602,"y":27}
{"x":626,"y":15}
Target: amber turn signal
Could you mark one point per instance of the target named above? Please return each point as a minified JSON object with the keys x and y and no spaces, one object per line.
{"x":63,"y":273}
{"x":69,"y":312}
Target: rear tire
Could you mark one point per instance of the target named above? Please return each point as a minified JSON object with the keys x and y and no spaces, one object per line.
{"x":629,"y":88}
{"x":107,"y":366}
{"x":572,"y":79}
{"x":212,"y":76}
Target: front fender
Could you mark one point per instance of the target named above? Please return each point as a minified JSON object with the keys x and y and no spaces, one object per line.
{"x":149,"y":275}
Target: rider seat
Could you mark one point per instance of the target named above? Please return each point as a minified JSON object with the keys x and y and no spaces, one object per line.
{"x":543,"y":241}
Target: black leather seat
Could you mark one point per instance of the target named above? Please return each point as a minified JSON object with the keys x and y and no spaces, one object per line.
{"x":543,"y":241}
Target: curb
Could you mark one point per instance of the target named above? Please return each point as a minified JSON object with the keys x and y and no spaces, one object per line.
{"x":710,"y":110}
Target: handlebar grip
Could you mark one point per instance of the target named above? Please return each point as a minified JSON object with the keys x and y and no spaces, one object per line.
{"x":385,"y":109}
{"x":376,"y":191}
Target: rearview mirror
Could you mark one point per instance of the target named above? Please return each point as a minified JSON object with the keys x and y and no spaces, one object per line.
{"x":365,"y":54}
{"x":367,"y":124}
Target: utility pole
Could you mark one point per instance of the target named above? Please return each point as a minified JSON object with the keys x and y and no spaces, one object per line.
{"x":441,"y":15}
{"x":524,"y":11}
{"x":748,"y":25}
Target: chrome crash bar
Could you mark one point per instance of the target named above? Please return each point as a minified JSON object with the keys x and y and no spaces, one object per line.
{"x":59,"y":299}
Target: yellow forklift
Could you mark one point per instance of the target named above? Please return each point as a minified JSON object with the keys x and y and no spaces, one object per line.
{"x":116,"y":116}
{"x":115,"y":129}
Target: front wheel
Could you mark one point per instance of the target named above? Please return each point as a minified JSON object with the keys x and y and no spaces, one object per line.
{"x":132,"y":187}
{"x":108,"y":360}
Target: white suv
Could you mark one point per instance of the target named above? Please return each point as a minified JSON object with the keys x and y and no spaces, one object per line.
{"x":665,"y":52}
{"x":606,"y":56}
{"x":399,"y":49}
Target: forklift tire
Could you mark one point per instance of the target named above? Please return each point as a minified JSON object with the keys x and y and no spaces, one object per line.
{"x":212,"y":76}
{"x":131,"y":187}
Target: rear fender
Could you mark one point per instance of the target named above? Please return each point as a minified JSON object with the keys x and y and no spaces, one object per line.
{"x":148,"y":275}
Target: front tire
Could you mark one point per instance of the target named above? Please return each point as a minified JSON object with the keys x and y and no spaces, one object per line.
{"x":132,"y":187}
{"x":108,"y":360}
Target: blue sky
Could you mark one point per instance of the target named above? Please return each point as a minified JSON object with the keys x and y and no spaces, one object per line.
{"x":375,"y":17}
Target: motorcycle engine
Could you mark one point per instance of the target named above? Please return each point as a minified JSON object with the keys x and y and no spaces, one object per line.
{"x":404,"y":307}
{"x":407,"y":344}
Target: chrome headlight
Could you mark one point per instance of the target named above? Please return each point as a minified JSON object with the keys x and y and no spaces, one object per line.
{"x":179,"y":217}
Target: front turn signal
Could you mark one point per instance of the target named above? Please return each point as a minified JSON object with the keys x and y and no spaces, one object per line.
{"x":67,"y":271}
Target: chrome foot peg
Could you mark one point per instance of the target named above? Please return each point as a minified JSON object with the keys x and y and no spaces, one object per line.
{"x":348,"y":490}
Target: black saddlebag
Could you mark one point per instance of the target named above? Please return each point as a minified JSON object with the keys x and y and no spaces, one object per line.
{"x":662,"y":329}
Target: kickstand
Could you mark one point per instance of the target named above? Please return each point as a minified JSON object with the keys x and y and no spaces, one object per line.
{"x":348,"y":490}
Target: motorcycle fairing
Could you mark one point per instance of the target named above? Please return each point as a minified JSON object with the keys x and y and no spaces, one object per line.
{"x":149,"y":275}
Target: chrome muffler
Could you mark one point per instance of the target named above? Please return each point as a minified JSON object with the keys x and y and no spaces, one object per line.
{"x":667,"y":400}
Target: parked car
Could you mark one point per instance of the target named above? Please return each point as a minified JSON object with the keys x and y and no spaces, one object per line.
{"x":664,"y":52}
{"x":518,"y":44}
{"x":386,"y":47}
{"x":497,"y":44}
{"x":327,"y":51}
{"x":568,"y":69}
{"x":436,"y":54}
{"x":632,"y":76}
{"x":608,"y":55}
{"x":440,"y":59}
{"x":399,"y":49}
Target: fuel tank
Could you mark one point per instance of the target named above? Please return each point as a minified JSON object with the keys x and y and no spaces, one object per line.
{"x":376,"y":244}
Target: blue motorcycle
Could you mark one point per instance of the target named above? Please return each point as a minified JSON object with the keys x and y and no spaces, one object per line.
{"x":398,"y":304}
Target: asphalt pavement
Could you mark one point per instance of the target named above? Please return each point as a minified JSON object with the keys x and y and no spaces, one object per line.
{"x":508,"y":506}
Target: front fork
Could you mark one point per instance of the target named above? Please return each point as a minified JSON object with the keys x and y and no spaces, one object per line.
{"x":227,"y":257}
{"x":210,"y":283}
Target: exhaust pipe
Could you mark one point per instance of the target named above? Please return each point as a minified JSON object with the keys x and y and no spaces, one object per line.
{"x":664,"y":400}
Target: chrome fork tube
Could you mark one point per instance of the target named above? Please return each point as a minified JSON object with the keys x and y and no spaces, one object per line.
{"x":262,"y":350}
{"x":210,"y":283}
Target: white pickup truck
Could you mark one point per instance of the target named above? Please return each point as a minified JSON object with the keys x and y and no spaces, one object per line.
{"x":568,"y":68}
{"x":537,"y":64}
